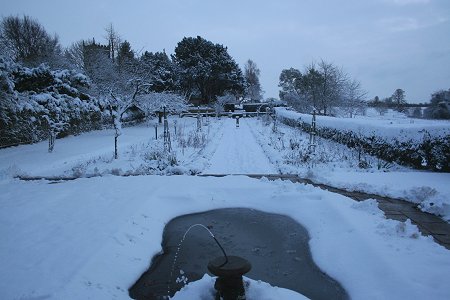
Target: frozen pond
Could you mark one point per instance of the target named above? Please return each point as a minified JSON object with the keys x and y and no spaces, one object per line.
{"x":276,"y":246}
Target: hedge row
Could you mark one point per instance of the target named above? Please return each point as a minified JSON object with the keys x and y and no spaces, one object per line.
{"x":37,"y":100}
{"x":28,"y":125}
{"x":431,"y":153}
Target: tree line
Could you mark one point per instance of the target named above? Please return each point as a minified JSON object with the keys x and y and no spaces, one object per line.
{"x":329,"y":90}
{"x":105,"y":79}
{"x":437,"y":108}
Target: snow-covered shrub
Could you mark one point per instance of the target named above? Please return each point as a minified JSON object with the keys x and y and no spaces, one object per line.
{"x":152,"y":102}
{"x":38,"y":103}
{"x":157,"y":158}
{"x":6,"y":79}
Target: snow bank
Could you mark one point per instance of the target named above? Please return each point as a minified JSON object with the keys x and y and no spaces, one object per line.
{"x":429,"y":190}
{"x":255,"y":290}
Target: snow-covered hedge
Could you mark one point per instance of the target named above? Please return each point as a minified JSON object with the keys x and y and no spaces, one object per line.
{"x":33,"y":100}
{"x":421,"y":146}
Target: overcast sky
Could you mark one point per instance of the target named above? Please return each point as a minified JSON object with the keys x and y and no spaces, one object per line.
{"x":385,"y":44}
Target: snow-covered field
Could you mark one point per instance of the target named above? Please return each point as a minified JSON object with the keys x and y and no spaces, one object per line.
{"x":91,"y":238}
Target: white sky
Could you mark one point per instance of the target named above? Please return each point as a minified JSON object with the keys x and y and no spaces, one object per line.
{"x":385,"y":44}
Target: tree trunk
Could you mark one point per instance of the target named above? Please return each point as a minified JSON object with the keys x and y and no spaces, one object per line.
{"x":51,"y":141}
{"x":115,"y":146}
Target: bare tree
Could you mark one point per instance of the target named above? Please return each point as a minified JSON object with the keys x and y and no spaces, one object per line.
{"x":253,"y":87}
{"x":114,"y":41}
{"x":398,"y":97}
{"x":332,"y":85}
{"x":152,"y":102}
{"x":353,"y":100}
{"x":75,"y":55}
{"x":28,"y":41}
{"x":381,"y":108}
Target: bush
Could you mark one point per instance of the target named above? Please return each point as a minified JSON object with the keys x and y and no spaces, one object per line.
{"x":35,"y":100}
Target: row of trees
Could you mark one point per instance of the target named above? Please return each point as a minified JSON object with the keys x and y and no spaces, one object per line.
{"x":199,"y":69}
{"x":397,"y":102}
{"x":437,"y":108}
{"x":330,"y":91}
{"x":115,"y":78}
{"x":324,"y":87}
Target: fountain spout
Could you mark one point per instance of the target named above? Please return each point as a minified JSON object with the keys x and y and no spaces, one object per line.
{"x":225,"y":261}
{"x":213,"y":236}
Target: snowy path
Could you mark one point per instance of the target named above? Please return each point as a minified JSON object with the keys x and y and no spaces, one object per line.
{"x":239,"y":153}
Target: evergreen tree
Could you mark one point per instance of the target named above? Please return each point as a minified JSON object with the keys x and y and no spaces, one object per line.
{"x":206,"y":69}
{"x":163,"y":72}
{"x":125,"y":58}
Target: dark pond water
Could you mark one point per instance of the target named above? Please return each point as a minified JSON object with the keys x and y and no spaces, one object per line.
{"x":276,"y":246}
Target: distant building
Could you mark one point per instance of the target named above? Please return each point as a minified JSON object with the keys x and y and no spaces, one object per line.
{"x":133,"y":114}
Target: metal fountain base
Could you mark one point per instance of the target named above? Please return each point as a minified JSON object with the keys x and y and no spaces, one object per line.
{"x":229,"y":271}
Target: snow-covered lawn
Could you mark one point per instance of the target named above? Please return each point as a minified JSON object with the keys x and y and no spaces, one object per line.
{"x":92,"y":238}
{"x":91,"y":154}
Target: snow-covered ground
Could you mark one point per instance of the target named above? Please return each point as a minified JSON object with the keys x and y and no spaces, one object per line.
{"x":91,"y":154}
{"x":92,"y":238}
{"x":391,"y":126}
{"x":337,"y":165}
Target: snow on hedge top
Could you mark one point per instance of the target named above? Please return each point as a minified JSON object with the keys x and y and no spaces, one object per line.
{"x":400,"y":129}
